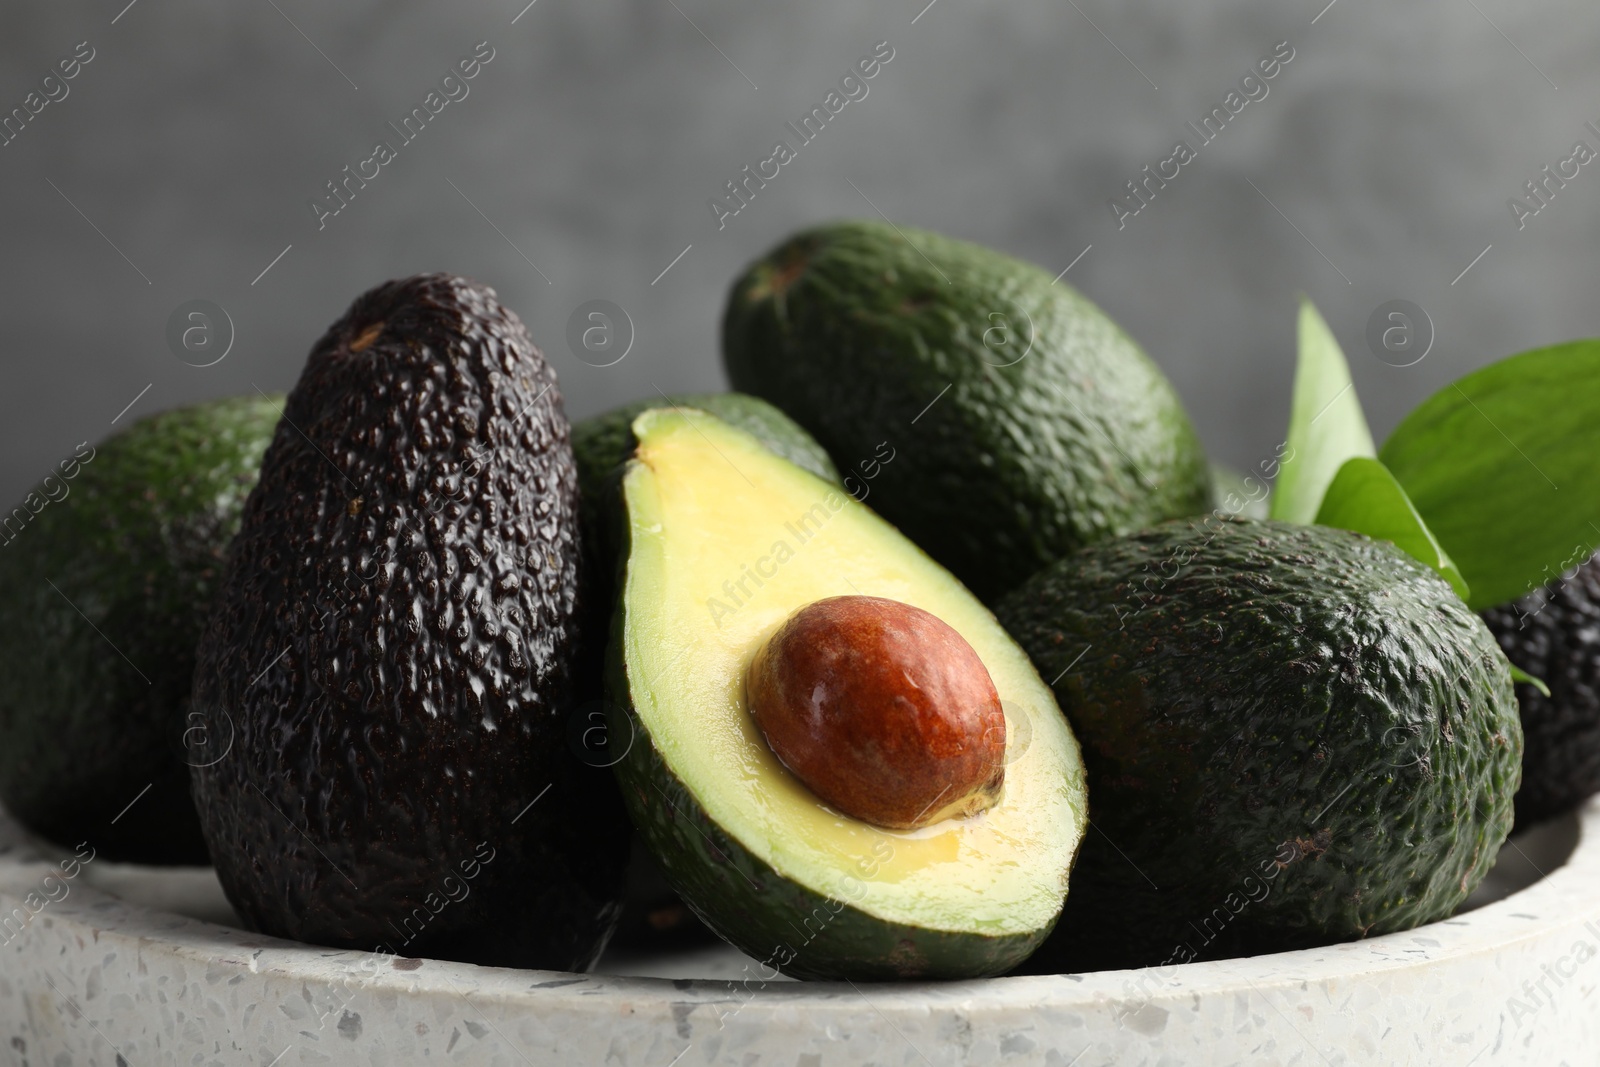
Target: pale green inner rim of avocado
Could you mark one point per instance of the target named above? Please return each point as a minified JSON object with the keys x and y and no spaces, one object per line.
{"x":708,"y":505}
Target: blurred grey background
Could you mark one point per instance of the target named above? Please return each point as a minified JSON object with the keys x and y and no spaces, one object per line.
{"x":182,"y":160}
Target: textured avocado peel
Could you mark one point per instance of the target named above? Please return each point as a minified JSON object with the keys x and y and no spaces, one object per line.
{"x":1026,"y":423}
{"x":1294,"y":735}
{"x":1553,"y":633}
{"x":94,"y":739}
{"x":392,"y":653}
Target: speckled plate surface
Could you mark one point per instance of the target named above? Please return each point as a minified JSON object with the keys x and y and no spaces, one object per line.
{"x":120,"y":965}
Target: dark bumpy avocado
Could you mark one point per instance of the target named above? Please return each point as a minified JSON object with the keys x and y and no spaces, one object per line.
{"x":726,"y":540}
{"x":1294,"y":735}
{"x":391,"y":653}
{"x":1024,"y":422}
{"x":1553,"y":633}
{"x":132,"y":533}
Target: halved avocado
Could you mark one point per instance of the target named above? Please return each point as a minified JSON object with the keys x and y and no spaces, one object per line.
{"x":725,"y":541}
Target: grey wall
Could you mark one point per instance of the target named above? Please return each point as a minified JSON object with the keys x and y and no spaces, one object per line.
{"x":195,"y":137}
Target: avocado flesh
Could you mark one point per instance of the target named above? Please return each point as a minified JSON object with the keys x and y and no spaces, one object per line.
{"x":1553,"y":633}
{"x":1024,"y":422}
{"x":1294,"y":736}
{"x":137,"y":543}
{"x":755,"y":854}
{"x":603,"y":442}
{"x":393,"y":651}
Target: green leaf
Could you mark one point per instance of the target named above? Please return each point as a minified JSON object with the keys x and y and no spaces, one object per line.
{"x":1326,"y":426}
{"x":1503,"y":465}
{"x":1365,"y":497}
{"x":1520,"y":675}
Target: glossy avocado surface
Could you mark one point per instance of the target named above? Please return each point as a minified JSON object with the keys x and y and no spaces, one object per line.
{"x":391,"y":655}
{"x":1294,"y":735}
{"x":108,"y":569}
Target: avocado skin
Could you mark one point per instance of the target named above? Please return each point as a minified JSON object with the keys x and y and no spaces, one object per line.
{"x":781,"y":924}
{"x":1298,"y":734}
{"x":412,"y":554}
{"x":855,"y":330}
{"x":1553,"y":633}
{"x":138,"y":545}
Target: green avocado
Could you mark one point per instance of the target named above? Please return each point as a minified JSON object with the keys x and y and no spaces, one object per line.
{"x":1022,"y":421}
{"x":724,"y":541}
{"x":653,"y":916}
{"x":1294,"y":735}
{"x":392,"y":654}
{"x":1553,"y":633}
{"x":109,"y":567}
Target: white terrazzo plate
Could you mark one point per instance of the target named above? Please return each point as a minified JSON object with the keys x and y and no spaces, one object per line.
{"x":128,"y":966}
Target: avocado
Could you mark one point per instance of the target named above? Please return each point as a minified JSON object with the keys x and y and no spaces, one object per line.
{"x":132,"y":533}
{"x":1024,"y":423}
{"x":601,"y":443}
{"x":1295,"y":735}
{"x":1234,"y":494}
{"x":392,"y":651}
{"x":1553,"y":633}
{"x":653,"y":916}
{"x":725,"y":540}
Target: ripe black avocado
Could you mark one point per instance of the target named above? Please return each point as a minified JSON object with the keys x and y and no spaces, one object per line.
{"x":1294,"y":735}
{"x":132,"y":533}
{"x":1553,"y":633}
{"x":392,"y":651}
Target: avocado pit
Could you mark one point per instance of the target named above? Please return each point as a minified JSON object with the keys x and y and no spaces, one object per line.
{"x":882,"y":710}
